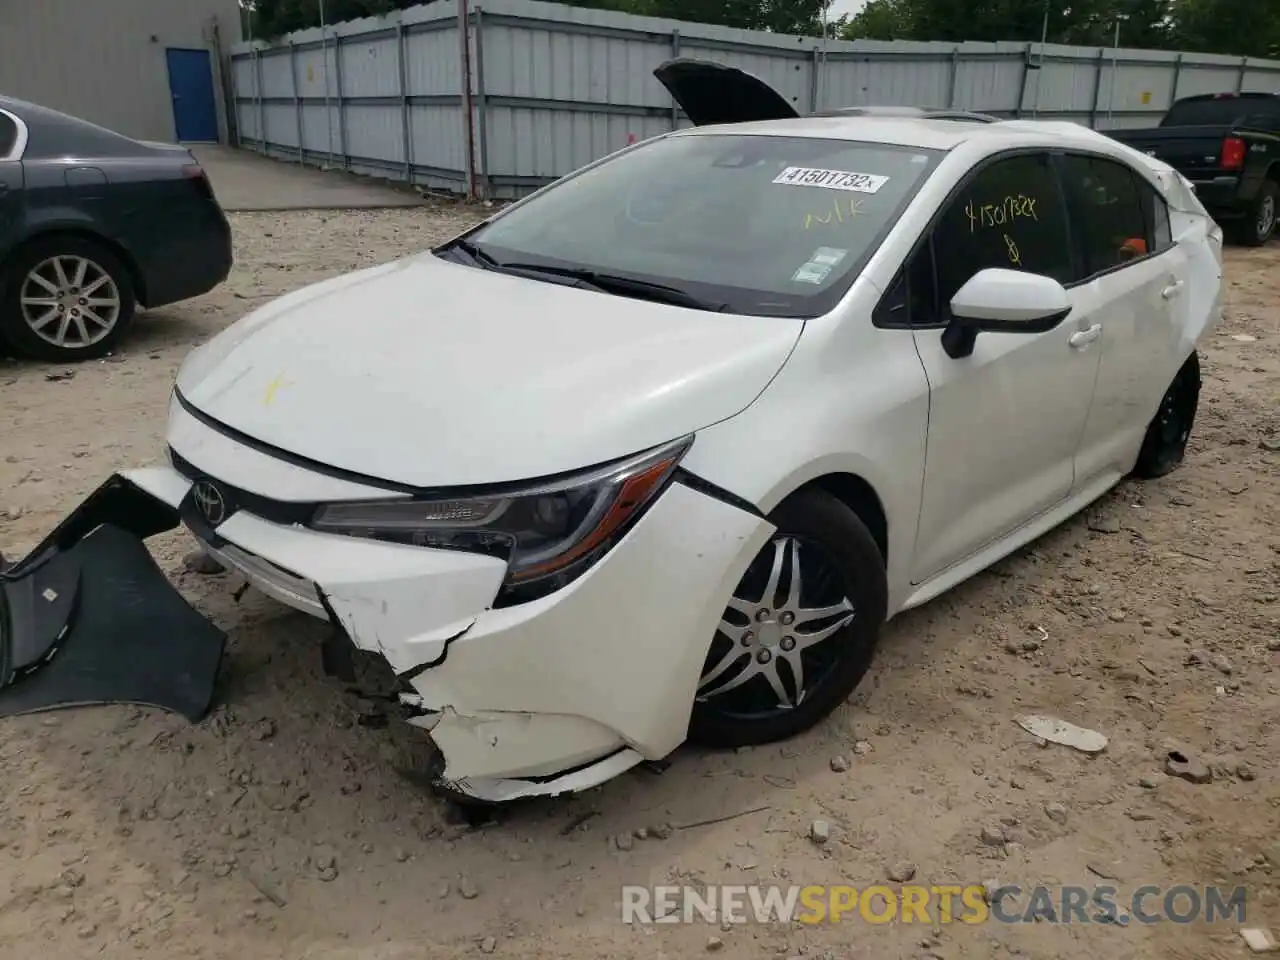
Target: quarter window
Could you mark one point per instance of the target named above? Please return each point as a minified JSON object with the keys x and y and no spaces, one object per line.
{"x":1108,"y":213}
{"x":913,"y":298}
{"x":1157,"y":216}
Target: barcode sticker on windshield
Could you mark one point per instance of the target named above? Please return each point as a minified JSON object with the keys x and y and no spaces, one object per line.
{"x":831,"y":179}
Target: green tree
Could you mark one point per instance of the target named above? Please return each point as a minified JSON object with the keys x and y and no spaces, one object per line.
{"x":779,"y":16}
{"x":954,"y":21}
{"x":881,"y":20}
{"x":1235,"y":27}
{"x":272,"y":18}
{"x":1243,"y":28}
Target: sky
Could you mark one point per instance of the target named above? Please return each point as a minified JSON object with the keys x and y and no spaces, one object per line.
{"x":846,"y":6}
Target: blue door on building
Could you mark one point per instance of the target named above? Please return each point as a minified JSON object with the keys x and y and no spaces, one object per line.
{"x":195,"y":118}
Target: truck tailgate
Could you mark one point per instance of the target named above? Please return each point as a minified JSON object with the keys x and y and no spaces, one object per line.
{"x":1192,"y":151}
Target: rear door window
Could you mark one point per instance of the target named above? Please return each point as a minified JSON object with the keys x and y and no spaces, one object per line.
{"x":1107,"y":211}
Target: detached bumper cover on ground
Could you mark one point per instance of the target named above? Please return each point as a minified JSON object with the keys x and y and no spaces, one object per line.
{"x":87,"y":617}
{"x":547,"y":697}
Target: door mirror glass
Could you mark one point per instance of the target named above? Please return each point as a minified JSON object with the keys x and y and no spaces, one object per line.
{"x":1010,"y":301}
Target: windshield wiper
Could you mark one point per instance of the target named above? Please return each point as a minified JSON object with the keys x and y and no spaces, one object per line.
{"x":475,"y":253}
{"x":627,"y":286}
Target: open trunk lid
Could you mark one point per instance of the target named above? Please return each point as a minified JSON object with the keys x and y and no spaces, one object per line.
{"x":711,"y":93}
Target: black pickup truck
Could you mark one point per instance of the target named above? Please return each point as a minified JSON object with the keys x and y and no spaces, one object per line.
{"x":1228,"y":145}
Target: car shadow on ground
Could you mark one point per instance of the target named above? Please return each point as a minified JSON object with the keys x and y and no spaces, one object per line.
{"x":157,"y":331}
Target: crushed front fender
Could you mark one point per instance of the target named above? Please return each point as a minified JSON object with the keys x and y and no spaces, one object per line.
{"x":88,"y":618}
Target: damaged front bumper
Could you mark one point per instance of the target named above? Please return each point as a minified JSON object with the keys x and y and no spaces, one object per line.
{"x":548,"y":697}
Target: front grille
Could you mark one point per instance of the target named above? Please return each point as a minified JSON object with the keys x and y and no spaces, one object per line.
{"x":275,"y":511}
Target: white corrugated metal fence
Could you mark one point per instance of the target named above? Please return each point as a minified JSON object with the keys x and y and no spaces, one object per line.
{"x":553,"y":87}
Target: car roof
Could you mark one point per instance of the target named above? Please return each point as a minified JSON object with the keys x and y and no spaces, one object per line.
{"x":927,"y":133}
{"x":48,"y":132}
{"x":923,"y":133}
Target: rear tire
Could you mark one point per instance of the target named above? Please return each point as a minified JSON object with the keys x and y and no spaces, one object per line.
{"x":65,"y":299}
{"x":1165,"y":444}
{"x":1259,"y":225}
{"x":815,"y":595}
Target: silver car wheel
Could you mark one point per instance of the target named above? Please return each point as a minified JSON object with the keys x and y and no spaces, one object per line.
{"x":70,"y":301}
{"x":776,"y":631}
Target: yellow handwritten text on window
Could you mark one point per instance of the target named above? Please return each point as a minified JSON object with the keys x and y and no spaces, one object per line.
{"x":1001,"y":213}
{"x":1015,"y":257}
{"x":836,"y":214}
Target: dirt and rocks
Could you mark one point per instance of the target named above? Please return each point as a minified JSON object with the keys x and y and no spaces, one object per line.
{"x":292,"y":823}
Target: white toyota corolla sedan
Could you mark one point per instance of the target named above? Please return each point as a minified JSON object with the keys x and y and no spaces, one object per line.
{"x":653,"y":454}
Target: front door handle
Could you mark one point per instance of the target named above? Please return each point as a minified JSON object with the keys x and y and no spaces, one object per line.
{"x":1082,"y":338}
{"x":1172,"y":290}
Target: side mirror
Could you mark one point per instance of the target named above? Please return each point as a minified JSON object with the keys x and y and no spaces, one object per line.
{"x":1003,"y":301}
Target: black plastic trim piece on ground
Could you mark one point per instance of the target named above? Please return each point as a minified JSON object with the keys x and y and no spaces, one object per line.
{"x":98,"y":622}
{"x":117,"y":502}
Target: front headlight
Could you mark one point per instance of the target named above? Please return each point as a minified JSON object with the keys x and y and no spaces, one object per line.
{"x":548,"y":533}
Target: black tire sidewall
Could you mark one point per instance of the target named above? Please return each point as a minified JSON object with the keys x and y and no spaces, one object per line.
{"x":1246,"y":231}
{"x":1158,"y":458}
{"x":817,"y":516}
{"x":1269,"y":188}
{"x":13,"y":328}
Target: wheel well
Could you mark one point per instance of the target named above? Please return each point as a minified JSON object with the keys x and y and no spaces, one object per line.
{"x":120,"y":253}
{"x":860,"y":497}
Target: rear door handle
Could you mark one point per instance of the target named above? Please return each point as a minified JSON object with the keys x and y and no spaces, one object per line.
{"x":1172,"y":290}
{"x":1082,"y":338}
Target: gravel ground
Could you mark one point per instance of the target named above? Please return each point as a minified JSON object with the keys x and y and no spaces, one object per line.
{"x":282,"y":826}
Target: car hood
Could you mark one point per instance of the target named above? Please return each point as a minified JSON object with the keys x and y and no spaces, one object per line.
{"x":430,"y":373}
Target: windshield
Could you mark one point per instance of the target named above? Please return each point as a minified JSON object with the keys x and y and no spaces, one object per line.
{"x":775,"y":226}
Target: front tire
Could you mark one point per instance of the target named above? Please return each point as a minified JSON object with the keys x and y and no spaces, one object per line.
{"x":1165,"y":444}
{"x":65,"y":299}
{"x":799,"y":632}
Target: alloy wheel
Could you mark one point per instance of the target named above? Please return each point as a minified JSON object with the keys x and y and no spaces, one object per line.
{"x":70,"y":301}
{"x":771,"y":649}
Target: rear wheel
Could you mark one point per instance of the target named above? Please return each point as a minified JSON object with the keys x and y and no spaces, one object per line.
{"x":800,"y":630}
{"x":1165,"y":444}
{"x":1259,"y":225}
{"x":65,"y":299}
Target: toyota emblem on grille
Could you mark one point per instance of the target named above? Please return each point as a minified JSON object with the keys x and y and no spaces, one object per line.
{"x":210,"y":502}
